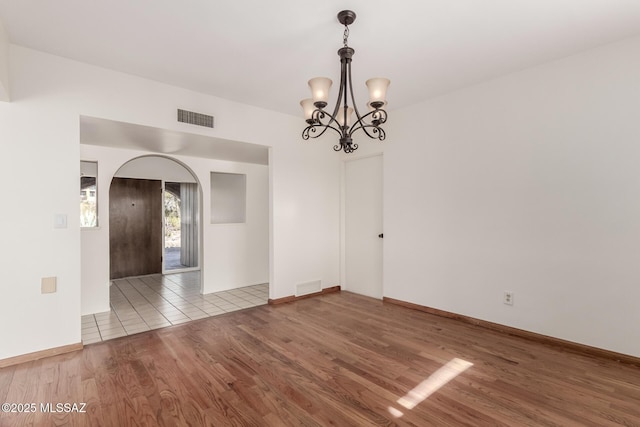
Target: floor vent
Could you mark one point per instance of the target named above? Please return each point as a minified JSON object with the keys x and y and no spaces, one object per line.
{"x":195,"y":118}
{"x":308,"y":288}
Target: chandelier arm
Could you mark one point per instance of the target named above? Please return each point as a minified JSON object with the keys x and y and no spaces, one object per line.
{"x":361,"y":119}
{"x":332,"y":128}
{"x":316,"y":121}
{"x":375,"y":130}
{"x":381,"y":117}
{"x":381,"y":133}
{"x":378,"y":117}
{"x":340,"y":92}
{"x":320,"y":114}
{"x":353,"y":100}
{"x":345,"y":80}
{"x":361,"y":124}
{"x":306,"y":133}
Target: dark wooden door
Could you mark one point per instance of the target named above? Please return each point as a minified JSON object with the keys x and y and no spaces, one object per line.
{"x":135,"y":227}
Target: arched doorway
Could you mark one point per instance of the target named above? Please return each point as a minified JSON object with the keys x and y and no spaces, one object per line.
{"x":154,"y":217}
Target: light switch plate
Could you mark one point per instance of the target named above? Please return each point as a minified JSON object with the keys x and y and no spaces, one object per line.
{"x":49,"y":285}
{"x":60,"y":221}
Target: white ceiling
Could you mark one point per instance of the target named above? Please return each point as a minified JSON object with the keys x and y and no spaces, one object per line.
{"x":263,"y":52}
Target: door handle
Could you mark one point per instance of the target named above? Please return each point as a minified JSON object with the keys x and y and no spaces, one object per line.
{"x":381,"y":235}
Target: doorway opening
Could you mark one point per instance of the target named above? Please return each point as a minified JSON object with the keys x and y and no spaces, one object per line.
{"x":154,"y":218}
{"x":180,"y":205}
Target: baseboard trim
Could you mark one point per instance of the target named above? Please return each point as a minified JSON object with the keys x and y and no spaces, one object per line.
{"x":532,"y":336}
{"x":29,"y":357}
{"x":292,"y":298}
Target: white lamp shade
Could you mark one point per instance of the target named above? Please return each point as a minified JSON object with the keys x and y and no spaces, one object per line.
{"x":307,"y":107}
{"x":340,"y":118}
{"x":320,"y":88}
{"x":377,"y":89}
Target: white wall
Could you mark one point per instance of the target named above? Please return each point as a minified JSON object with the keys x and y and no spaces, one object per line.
{"x":4,"y":64}
{"x":305,"y":207}
{"x":39,"y":130}
{"x":528,"y":183}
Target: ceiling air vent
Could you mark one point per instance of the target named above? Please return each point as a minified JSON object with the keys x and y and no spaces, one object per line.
{"x":195,"y":118}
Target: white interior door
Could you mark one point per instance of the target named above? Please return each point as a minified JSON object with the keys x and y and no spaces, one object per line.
{"x":363,"y":225}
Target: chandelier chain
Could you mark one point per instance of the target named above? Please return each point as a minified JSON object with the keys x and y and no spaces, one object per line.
{"x":345,"y":37}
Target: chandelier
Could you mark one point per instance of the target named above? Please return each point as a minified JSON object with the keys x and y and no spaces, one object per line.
{"x":319,"y":120}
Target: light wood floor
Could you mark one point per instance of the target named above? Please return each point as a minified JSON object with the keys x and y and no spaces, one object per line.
{"x":338,"y":359}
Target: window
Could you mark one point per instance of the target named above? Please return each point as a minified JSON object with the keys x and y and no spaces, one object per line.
{"x":88,"y":193}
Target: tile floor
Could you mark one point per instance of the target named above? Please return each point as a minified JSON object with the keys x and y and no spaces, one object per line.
{"x":141,"y":304}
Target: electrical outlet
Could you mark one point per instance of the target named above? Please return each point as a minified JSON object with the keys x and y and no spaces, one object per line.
{"x":508,"y":298}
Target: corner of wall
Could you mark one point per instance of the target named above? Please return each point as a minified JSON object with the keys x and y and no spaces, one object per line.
{"x":4,"y":64}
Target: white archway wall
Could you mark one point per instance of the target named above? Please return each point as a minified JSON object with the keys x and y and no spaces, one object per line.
{"x":232,"y":256}
{"x":155,"y":167}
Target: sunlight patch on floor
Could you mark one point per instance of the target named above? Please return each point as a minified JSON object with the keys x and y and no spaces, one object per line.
{"x":426,"y":388}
